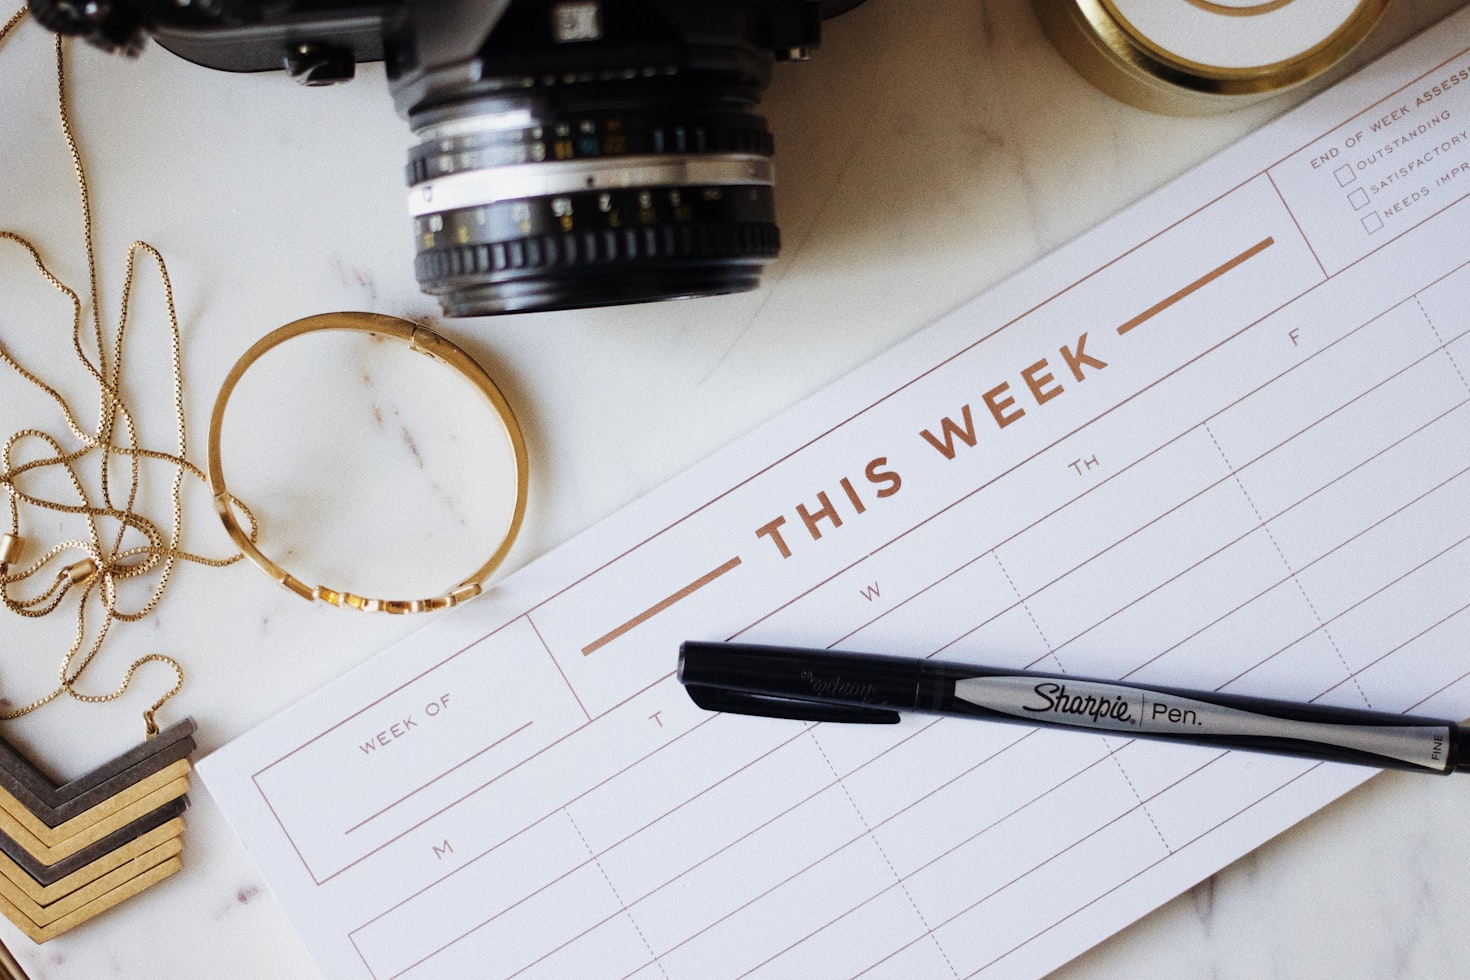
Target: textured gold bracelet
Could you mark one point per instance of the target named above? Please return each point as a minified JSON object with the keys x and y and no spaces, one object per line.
{"x":424,"y":341}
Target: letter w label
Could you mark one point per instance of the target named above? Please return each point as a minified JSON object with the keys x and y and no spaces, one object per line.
{"x":949,"y":430}
{"x":870,"y":592}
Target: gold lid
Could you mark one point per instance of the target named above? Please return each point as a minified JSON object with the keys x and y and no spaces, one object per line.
{"x":1192,"y":57}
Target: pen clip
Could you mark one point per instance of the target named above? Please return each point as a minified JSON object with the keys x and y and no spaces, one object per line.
{"x":776,"y":706}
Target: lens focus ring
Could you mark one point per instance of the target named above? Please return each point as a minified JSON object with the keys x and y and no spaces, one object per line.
{"x":622,"y":246}
{"x":567,"y":251}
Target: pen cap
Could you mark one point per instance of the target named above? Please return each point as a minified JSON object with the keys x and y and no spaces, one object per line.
{"x":841,"y":678}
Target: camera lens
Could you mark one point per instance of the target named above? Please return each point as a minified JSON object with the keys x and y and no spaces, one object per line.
{"x":619,"y":191}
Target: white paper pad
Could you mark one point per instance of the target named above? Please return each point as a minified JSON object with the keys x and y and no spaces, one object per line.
{"x":1220,"y":442}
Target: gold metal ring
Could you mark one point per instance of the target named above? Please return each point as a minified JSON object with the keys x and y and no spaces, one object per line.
{"x":424,"y":341}
{"x":1119,"y":58}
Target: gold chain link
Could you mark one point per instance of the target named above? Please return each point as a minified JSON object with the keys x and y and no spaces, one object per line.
{"x":104,"y":564}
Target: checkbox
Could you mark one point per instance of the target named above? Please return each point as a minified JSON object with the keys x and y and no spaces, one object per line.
{"x":1358,"y":199}
{"x":1372,"y":222}
{"x":1345,"y":175}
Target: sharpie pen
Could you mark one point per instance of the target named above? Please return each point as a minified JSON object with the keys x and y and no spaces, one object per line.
{"x":821,"y":685}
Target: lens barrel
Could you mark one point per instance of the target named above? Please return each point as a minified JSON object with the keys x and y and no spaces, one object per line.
{"x":623,"y":191}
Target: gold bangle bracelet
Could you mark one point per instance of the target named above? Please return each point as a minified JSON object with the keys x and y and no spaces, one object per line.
{"x":424,"y":341}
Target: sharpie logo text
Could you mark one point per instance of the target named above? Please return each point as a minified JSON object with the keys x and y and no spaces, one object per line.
{"x":1056,"y":700}
{"x":836,"y":687}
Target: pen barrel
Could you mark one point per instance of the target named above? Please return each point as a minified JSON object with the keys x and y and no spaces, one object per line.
{"x":1227,"y":721}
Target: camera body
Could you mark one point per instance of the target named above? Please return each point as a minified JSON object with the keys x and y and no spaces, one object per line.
{"x":570,"y":153}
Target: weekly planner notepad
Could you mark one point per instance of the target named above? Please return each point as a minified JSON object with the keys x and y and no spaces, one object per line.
{"x":1219,"y":443}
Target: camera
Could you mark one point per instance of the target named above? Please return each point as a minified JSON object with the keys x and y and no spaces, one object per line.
{"x":570,"y":153}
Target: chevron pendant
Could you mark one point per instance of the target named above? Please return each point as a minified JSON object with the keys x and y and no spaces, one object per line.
{"x":70,"y":851}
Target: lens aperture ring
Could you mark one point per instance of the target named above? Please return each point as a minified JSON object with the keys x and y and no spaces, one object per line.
{"x":588,"y":139}
{"x":482,"y":187}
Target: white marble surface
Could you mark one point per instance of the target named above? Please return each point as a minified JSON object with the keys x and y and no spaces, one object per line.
{"x":929,"y":149}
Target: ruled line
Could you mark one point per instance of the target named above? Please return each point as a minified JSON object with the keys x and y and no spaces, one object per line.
{"x":1198,"y":284}
{"x":660,"y":606}
{"x":410,"y":795}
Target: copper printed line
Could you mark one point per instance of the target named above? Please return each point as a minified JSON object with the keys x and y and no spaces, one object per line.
{"x":1198,"y":284}
{"x":659,"y":607}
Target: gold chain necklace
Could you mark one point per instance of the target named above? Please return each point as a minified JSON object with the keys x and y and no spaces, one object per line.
{"x":105,"y":560}
{"x":73,"y":850}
